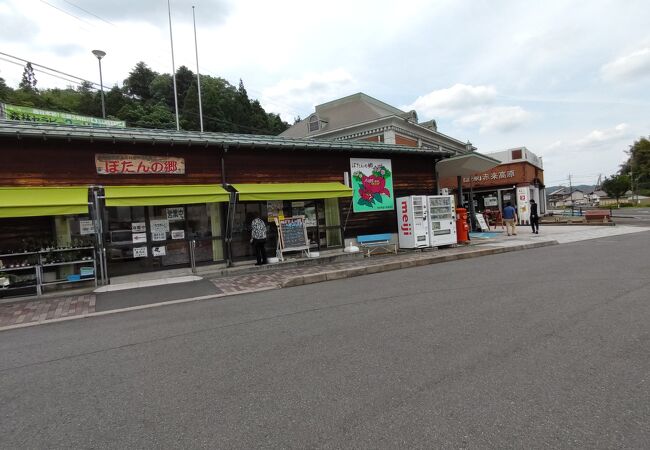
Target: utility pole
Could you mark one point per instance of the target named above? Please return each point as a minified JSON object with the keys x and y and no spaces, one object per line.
{"x":571,"y":194}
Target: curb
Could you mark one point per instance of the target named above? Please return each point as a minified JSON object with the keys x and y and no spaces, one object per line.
{"x":397,"y":265}
{"x":305,"y":279}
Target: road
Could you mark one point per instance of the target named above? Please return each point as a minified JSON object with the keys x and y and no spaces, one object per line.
{"x":540,"y":348}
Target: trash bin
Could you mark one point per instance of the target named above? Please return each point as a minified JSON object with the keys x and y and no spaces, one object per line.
{"x":462,"y":228}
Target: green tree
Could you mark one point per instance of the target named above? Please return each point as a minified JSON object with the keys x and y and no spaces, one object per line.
{"x":28,"y":82}
{"x":616,"y":186}
{"x":139,"y":81}
{"x":5,"y":91}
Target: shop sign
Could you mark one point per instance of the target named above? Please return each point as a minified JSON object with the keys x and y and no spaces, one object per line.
{"x":139,"y":238}
{"x":138,"y":227}
{"x":29,"y":114}
{"x":108,"y":164}
{"x":175,"y":214}
{"x":372,"y":184}
{"x":139,"y":252}
{"x":491,"y":176}
{"x":158,"y":251}
{"x":178,"y":234}
{"x":86,"y":227}
{"x":159,"y":225}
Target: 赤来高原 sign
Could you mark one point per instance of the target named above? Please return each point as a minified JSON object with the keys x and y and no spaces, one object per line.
{"x":28,"y":114}
{"x":107,"y":164}
{"x":372,"y":185}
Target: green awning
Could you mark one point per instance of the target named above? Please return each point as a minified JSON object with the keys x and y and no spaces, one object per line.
{"x":43,"y":201}
{"x":164,"y":195}
{"x":291,"y":191}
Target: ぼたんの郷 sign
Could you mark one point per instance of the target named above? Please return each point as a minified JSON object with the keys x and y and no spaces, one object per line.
{"x":107,"y":164}
{"x":372,"y":185}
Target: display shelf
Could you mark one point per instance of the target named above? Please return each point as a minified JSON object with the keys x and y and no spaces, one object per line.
{"x":15,"y":288}
{"x":13,"y":269}
{"x":9,"y":255}
{"x":46,"y":283}
{"x":70,"y":249}
{"x":66,"y":263}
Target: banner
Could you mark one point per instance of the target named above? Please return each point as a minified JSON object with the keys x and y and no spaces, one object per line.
{"x":107,"y":164}
{"x":372,"y":185}
{"x":28,"y":114}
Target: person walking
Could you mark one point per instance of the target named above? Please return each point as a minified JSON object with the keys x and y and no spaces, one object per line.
{"x":510,"y":218}
{"x":258,"y":239}
{"x":534,"y":217}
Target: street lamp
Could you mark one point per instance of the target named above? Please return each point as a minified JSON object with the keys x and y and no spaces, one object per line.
{"x":100,"y":54}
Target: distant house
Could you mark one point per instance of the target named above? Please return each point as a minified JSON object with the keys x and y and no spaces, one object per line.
{"x":561,"y":198}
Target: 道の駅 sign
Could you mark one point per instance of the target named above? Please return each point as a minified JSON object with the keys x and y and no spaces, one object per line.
{"x":138,"y":165}
{"x":372,"y":185}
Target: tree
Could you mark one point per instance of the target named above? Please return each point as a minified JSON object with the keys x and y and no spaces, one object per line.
{"x":28,"y":82}
{"x":616,"y":186}
{"x":138,"y":84}
{"x":5,"y":91}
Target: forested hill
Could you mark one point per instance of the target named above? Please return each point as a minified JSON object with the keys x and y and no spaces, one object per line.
{"x":146,"y":100}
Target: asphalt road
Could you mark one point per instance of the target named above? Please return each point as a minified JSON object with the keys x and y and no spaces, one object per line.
{"x":479,"y":353}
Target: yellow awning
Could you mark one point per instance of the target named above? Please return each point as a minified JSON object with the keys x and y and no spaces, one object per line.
{"x":43,"y":201}
{"x":164,"y":195}
{"x":291,"y":191}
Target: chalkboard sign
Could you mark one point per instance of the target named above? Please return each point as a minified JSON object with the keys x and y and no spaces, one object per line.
{"x":292,"y":235}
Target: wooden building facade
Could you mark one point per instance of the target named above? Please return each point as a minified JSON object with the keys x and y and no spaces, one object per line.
{"x":156,"y":197}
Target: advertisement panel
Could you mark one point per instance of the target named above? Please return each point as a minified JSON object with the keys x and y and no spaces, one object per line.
{"x":29,"y":114}
{"x":372,"y":185}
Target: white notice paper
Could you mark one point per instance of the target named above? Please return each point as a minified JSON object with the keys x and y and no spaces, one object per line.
{"x":139,"y":252}
{"x":158,"y":251}
{"x":138,"y":227}
{"x":178,"y":234}
{"x":86,"y":227}
{"x":159,"y":225}
{"x":139,"y":238}
{"x":158,"y":236}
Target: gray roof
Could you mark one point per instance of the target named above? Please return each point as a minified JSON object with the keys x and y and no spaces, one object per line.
{"x":22,"y":130}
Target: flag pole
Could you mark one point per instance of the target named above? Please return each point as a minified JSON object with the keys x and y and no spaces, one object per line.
{"x":171,"y":40}
{"x":198,"y":74}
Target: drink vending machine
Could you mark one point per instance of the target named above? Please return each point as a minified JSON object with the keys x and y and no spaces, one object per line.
{"x":412,"y":223}
{"x":442,"y":220}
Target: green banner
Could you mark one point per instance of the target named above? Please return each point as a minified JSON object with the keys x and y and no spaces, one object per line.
{"x":28,"y":114}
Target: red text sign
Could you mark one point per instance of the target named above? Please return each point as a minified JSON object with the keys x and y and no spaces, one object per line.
{"x":138,"y":165}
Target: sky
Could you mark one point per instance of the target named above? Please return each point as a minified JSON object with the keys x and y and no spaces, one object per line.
{"x":569,"y":80}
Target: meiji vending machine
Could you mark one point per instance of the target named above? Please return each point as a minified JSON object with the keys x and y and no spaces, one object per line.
{"x":442,"y":220}
{"x":412,"y":224}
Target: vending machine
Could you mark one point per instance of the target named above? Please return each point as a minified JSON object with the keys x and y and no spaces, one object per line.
{"x":412,"y":224}
{"x":442,"y":220}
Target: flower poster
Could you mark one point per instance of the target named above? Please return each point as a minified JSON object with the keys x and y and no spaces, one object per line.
{"x":372,"y":185}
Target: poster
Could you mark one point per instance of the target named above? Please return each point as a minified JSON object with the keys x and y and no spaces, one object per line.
{"x":29,"y":114}
{"x":175,"y":214}
{"x":86,"y":227}
{"x":158,"y":236}
{"x":158,"y":251}
{"x":159,"y":225}
{"x":274,"y":210}
{"x":139,"y":252}
{"x":138,"y":227}
{"x":178,"y":234}
{"x":372,"y":185}
{"x":310,"y":217}
{"x":139,"y":238}
{"x":490,"y":201}
{"x":523,"y":205}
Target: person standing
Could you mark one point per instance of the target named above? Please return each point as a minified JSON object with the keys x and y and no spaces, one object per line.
{"x":258,"y":239}
{"x":534,"y":217}
{"x":510,"y":218}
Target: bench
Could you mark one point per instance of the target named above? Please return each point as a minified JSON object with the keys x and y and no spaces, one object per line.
{"x":597,"y":216}
{"x":373,"y":243}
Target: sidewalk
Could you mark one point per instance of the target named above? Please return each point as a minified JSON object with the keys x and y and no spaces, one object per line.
{"x":37,"y":311}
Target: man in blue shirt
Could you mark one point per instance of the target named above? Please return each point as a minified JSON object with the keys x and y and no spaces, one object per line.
{"x":510,"y":218}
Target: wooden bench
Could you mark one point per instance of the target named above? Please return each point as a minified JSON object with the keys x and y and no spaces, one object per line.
{"x":597,"y":216}
{"x":375,"y":243}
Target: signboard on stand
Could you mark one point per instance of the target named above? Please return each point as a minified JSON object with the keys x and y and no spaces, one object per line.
{"x":481,"y":222}
{"x":292,"y":235}
{"x":523,"y":205}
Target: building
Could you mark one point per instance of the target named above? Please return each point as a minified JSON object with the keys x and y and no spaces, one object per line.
{"x":361,"y":117}
{"x":154,"y":199}
{"x":517,"y":179}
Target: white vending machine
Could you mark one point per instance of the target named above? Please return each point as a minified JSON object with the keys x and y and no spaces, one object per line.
{"x":412,"y":224}
{"x":442,"y":220}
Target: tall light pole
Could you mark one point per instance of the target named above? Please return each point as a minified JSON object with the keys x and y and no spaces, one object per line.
{"x":198,"y":74}
{"x":100,"y":54}
{"x":171,"y":41}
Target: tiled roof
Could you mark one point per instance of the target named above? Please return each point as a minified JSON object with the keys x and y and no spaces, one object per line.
{"x":32,"y":130}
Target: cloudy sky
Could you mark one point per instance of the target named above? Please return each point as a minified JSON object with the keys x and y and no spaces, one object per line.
{"x":570,"y":80}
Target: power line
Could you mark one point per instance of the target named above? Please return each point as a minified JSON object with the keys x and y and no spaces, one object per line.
{"x":47,"y":73}
{"x":49,"y":68}
{"x":66,"y":13}
{"x":89,"y":13}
